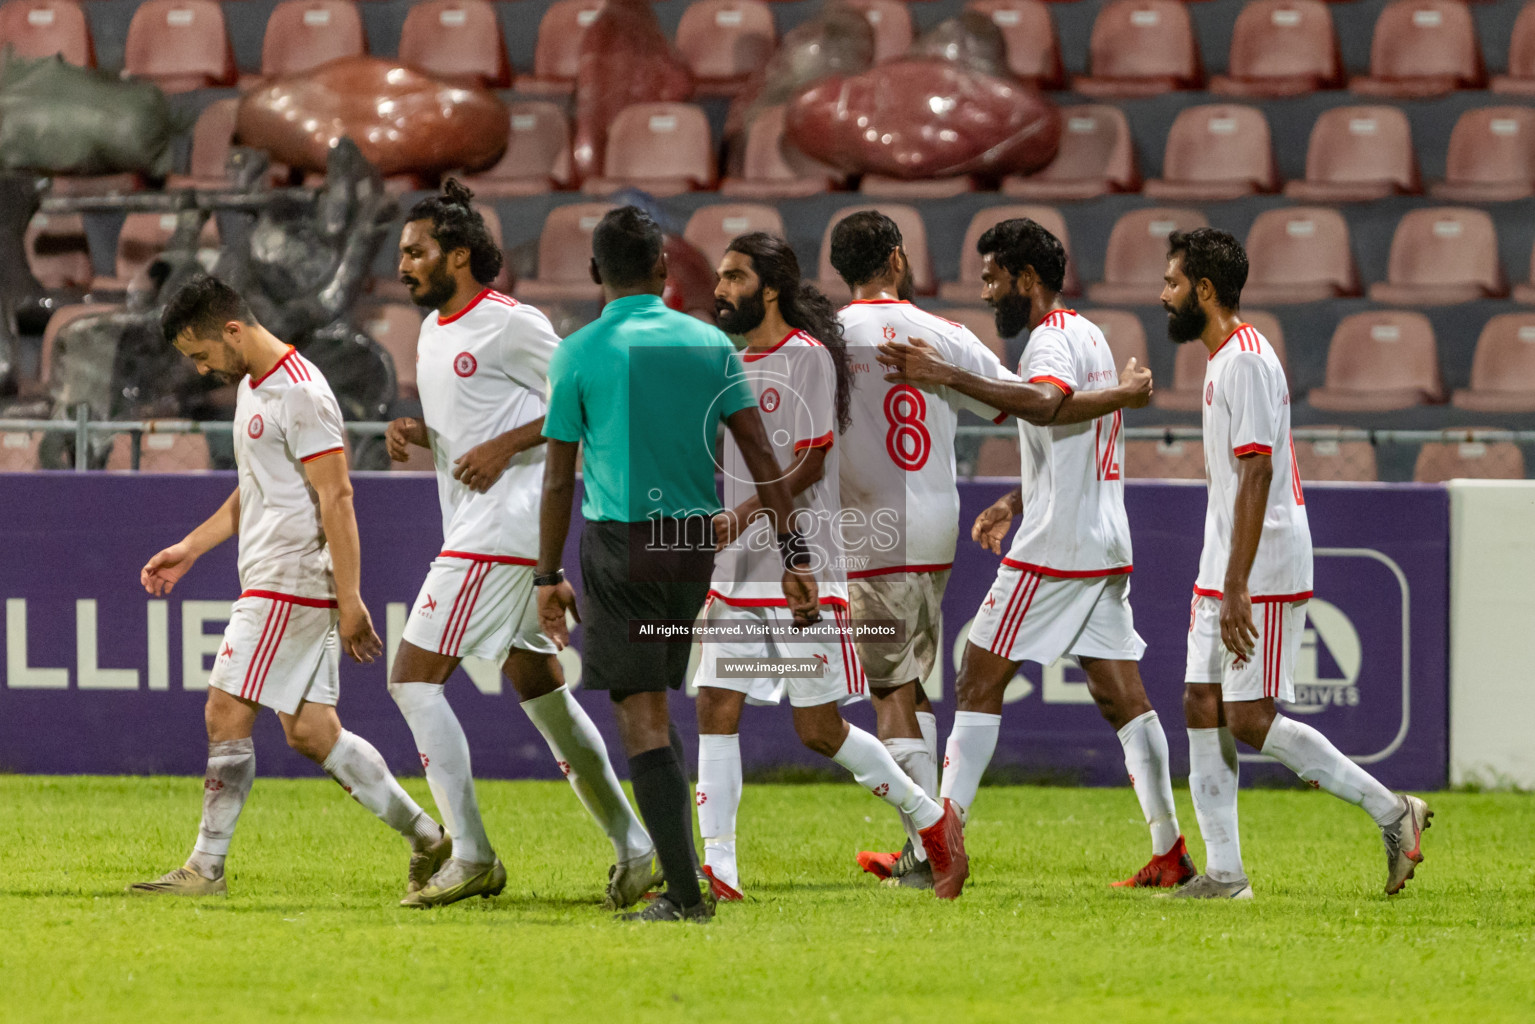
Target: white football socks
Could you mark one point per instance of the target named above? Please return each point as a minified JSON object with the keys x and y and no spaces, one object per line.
{"x":1213,"y":785}
{"x":1146,"y":760}
{"x":972,"y":741}
{"x":445,"y":756}
{"x":913,"y":758}
{"x":360,"y":769}
{"x":718,"y":796}
{"x":875,"y":770}
{"x":1312,"y":756}
{"x":231,"y":770}
{"x":583,"y":757}
{"x":928,"y":723}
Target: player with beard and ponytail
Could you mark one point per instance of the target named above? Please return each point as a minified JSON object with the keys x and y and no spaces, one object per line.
{"x":482,"y":365}
{"x":796,"y":363}
{"x":1256,"y":564}
{"x":1063,"y":589}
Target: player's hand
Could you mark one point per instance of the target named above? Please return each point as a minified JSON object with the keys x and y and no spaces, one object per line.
{"x":992,"y":525}
{"x":1135,"y":381}
{"x":727,"y":527}
{"x":915,"y":362}
{"x":553,"y":603}
{"x":1237,"y":630}
{"x":164,"y":571}
{"x":402,"y":433}
{"x":804,"y":597}
{"x":481,"y":466}
{"x":358,"y":639}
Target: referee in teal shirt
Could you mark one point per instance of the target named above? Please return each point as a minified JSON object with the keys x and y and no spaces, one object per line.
{"x":644,"y":389}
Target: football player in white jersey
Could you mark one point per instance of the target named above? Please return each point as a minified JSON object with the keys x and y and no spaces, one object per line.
{"x":898,"y":476}
{"x":796,"y":362}
{"x":1063,"y":588}
{"x":1249,"y":606}
{"x":299,"y":606}
{"x":482,"y":369}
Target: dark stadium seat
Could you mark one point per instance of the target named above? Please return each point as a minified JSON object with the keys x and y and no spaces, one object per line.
{"x":1525,"y":291}
{"x":1281,"y":48}
{"x":564,"y":255}
{"x":303,"y":34}
{"x":396,"y":326}
{"x":537,"y":156}
{"x":770,"y":169}
{"x":1165,"y":460}
{"x":1340,"y":461}
{"x":1299,"y":254}
{"x":558,"y":50}
{"x":1503,"y":368}
{"x":1491,"y":157}
{"x":891,"y":23}
{"x":1379,"y":361}
{"x":711,"y":228}
{"x":1141,"y":48}
{"x":180,"y":45}
{"x":1218,"y":151}
{"x":60,"y":319}
{"x":58,"y":252}
{"x":1441,"y":256}
{"x":1136,"y":257}
{"x":968,"y":287}
{"x":41,"y":28}
{"x":724,"y":41}
{"x":1520,"y":80}
{"x":1096,"y":156}
{"x":1423,"y":48}
{"x":662,"y":148}
{"x":998,"y":457}
{"x":913,"y":237}
{"x":1358,"y":154}
{"x":1468,"y":460}
{"x":1186,"y":391}
{"x":982,"y":322}
{"x":161,"y":453}
{"x":1124,"y":333}
{"x":459,"y":40}
{"x":212,"y":136}
{"x":1028,"y":29}
{"x":142,"y":238}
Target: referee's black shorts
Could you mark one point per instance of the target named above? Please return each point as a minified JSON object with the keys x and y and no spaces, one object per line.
{"x":640,"y":571}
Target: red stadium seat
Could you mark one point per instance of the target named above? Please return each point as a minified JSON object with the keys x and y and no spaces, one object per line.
{"x":1491,"y":158}
{"x":1124,"y":333}
{"x":1096,"y":156}
{"x":161,"y":453}
{"x":1358,"y":154}
{"x":1281,"y":48}
{"x":537,"y":156}
{"x":1136,"y":257}
{"x":142,"y":238}
{"x":891,"y":23}
{"x":769,"y":168}
{"x":397,"y":327}
{"x":1520,"y":80}
{"x":42,"y":28}
{"x":1299,"y":254}
{"x":712,"y":228}
{"x":303,"y":34}
{"x":459,"y":40}
{"x":558,"y":51}
{"x":1187,"y":390}
{"x":1028,"y":29}
{"x":60,"y":319}
{"x":212,"y":137}
{"x":1165,"y":460}
{"x":982,"y":322}
{"x":1214,"y":152}
{"x":1468,"y":460}
{"x":1141,"y":48}
{"x":1423,"y":48}
{"x":180,"y":45}
{"x":1340,"y":461}
{"x":662,"y":148}
{"x":724,"y":41}
{"x":1441,"y":256}
{"x":1380,"y":361}
{"x":998,"y":457}
{"x":18,"y":451}
{"x":57,"y":251}
{"x":1525,"y":292}
{"x":968,"y":287}
{"x":1503,"y":369}
{"x":913,"y":240}
{"x":877,"y":186}
{"x":564,"y":255}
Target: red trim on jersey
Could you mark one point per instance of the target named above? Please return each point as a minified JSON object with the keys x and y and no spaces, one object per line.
{"x":1252,"y":449}
{"x":891,"y":570}
{"x":497,"y":559}
{"x":307,"y":602}
{"x":768,"y":602}
{"x":1001,"y":417}
{"x":467,"y":307}
{"x":295,"y":369}
{"x":824,"y":441}
{"x":261,"y":379}
{"x":749,"y":356}
{"x":1065,"y":388}
{"x":1068,"y":574}
{"x":1261,"y":598}
{"x":877,"y":302}
{"x":505,"y":300}
{"x":317,"y":455}
{"x":1233,"y":334}
{"x":1056,"y":318}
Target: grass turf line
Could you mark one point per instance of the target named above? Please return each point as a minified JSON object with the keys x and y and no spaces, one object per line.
{"x":311,"y":931}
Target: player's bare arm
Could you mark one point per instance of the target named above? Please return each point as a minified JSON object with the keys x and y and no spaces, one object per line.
{"x":799,"y":586}
{"x":1132,"y":392}
{"x":808,"y":469}
{"x":404,"y":432}
{"x":161,"y":573}
{"x":481,"y":466}
{"x":553,"y":526}
{"x":329,"y":478}
{"x":996,"y":519}
{"x":1254,"y":472}
{"x":916,"y":362}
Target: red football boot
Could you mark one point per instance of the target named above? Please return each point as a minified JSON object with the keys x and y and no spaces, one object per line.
{"x":1167,"y":871}
{"x":880,"y":865}
{"x":720,"y":889}
{"x":944,"y":841}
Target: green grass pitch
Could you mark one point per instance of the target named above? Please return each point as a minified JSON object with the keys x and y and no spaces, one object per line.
{"x":311,"y":930}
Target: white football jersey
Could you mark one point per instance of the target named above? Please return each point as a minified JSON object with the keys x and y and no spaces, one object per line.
{"x":1072,"y":477}
{"x":796,"y":387}
{"x":483,"y":372}
{"x":1247,"y":411}
{"x":283,"y":419}
{"x":898,"y":471}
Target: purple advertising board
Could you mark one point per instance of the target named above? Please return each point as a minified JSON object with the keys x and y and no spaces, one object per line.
{"x":101,"y":678}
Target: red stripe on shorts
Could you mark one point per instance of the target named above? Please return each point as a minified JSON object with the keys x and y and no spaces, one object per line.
{"x":250,"y":666}
{"x":474,"y":598}
{"x":271,"y":656}
{"x":1023,"y":613}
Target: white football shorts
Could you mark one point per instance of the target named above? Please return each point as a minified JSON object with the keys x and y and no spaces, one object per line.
{"x":481,"y":605}
{"x":280,"y":651}
{"x":1270,"y":672}
{"x":841,"y":681}
{"x":915,"y":598}
{"x":1030,"y":617}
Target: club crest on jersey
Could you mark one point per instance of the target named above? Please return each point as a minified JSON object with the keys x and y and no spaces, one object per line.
{"x":255,"y":427}
{"x":888,"y":332}
{"x":770,"y":400}
{"x":464,"y":364}
{"x":1210,"y":393}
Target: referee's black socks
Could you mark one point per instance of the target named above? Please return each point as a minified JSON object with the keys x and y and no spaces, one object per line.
{"x":661,"y":790}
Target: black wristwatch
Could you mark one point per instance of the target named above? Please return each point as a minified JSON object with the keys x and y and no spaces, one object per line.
{"x":549,"y":579}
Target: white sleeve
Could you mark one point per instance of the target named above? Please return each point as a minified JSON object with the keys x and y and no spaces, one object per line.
{"x":1048,"y":359}
{"x":815,"y":413}
{"x":970,"y":353}
{"x":527,"y":346}
{"x":314,"y":421}
{"x":1252,"y":405}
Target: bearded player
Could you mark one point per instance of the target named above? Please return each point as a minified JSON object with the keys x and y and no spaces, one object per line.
{"x":482,"y":365}
{"x":1063,"y":588}
{"x":299,"y":605}
{"x":1249,"y":608}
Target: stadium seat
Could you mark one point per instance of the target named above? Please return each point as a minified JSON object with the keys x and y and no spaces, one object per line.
{"x":1340,"y":461}
{"x":1520,"y":80}
{"x":1218,"y":151}
{"x":1358,"y":154}
{"x":1423,"y":48}
{"x":397,"y":327}
{"x":142,"y":238}
{"x":968,"y":287}
{"x":537,"y":156}
{"x":180,"y":45}
{"x":42,"y":28}
{"x":60,"y":319}
{"x":914,"y":241}
{"x":1525,"y":291}
{"x":891,"y":23}
{"x":558,"y":51}
{"x":1164,"y":460}
{"x":1141,"y":48}
{"x":982,"y":322}
{"x":58,"y":252}
{"x":1136,"y":257}
{"x":877,"y":186}
{"x":661,"y":148}
{"x":458,"y":40}
{"x":18,"y":451}
{"x":1491,"y":157}
{"x":303,"y":34}
{"x":1124,"y":333}
{"x":1281,"y":48}
{"x":1441,"y":256}
{"x":1380,"y":361}
{"x":161,"y":453}
{"x":1299,"y":254}
{"x":1468,"y":460}
{"x":711,"y":228}
{"x":1028,"y":30}
{"x":998,"y":457}
{"x":771,"y":169}
{"x":212,"y":137}
{"x":1096,"y":156}
{"x":564,"y":255}
{"x":724,"y":41}
{"x":1503,"y":368}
